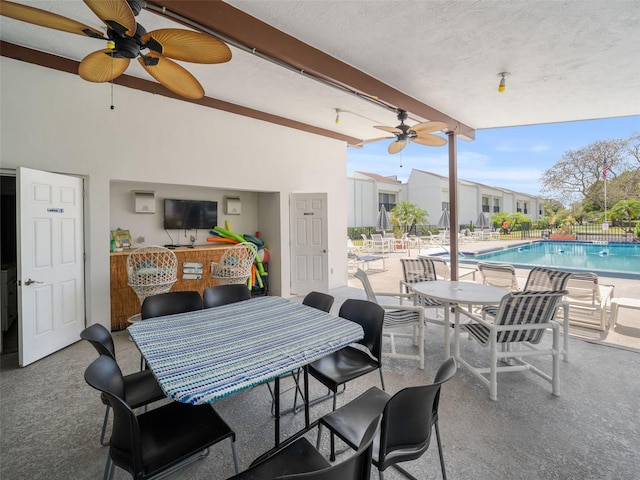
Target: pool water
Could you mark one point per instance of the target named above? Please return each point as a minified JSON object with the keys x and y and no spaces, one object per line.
{"x":613,"y":259}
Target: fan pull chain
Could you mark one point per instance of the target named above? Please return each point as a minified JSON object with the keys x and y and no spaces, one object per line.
{"x":112,"y":106}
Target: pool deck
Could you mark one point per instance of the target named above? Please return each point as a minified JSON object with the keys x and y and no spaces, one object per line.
{"x":626,"y":333}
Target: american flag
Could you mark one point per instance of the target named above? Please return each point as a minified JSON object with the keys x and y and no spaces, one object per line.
{"x":605,"y":169}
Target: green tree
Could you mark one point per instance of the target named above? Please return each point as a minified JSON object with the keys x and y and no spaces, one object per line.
{"x":580,"y":171}
{"x":407,"y":214}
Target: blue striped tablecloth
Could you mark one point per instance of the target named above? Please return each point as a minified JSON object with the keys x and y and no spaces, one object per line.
{"x":199,"y":357}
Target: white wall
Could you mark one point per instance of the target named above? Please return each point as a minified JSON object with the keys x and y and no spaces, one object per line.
{"x":362,"y":201}
{"x":55,"y":121}
{"x":150,"y":225}
{"x":426,"y":191}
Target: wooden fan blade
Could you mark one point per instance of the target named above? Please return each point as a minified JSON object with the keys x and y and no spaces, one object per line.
{"x":396,"y":146}
{"x":173,"y":76}
{"x":101,"y":66}
{"x":116,"y":14}
{"x":47,"y":19}
{"x":371,"y":140}
{"x":430,"y":140}
{"x":388,"y":129}
{"x":429,"y":127}
{"x":187,"y":46}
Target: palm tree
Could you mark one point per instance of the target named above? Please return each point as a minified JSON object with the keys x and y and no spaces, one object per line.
{"x":407,"y":214}
{"x":626,"y":209}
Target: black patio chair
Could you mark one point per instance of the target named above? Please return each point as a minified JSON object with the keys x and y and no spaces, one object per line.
{"x":338,"y":368}
{"x":408,"y":418}
{"x":140,"y":388}
{"x":225,"y":294}
{"x":161,"y":440}
{"x":301,"y":461}
{"x":170,"y":303}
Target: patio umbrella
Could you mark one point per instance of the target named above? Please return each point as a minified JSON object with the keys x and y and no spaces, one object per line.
{"x":444,"y":220}
{"x":482,"y":221}
{"x":383,"y":222}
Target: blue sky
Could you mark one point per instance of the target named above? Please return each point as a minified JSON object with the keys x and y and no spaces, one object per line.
{"x":512,"y":158}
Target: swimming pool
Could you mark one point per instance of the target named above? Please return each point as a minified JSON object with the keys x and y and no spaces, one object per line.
{"x":612,"y":259}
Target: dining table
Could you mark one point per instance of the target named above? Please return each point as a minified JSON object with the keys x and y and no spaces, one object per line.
{"x":454,"y":293}
{"x":202,"y":356}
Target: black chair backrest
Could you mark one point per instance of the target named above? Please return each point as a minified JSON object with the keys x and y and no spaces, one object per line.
{"x":170,"y":303}
{"x":543,"y":279}
{"x":356,"y":467}
{"x":100,"y":338}
{"x":225,"y":294}
{"x":319,"y":300}
{"x":369,"y":316}
{"x":105,"y":375}
{"x":409,"y":416}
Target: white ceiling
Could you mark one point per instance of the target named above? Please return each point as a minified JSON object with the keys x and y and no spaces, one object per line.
{"x":569,"y":60}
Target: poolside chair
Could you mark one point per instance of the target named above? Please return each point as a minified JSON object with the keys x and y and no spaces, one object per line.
{"x":355,"y":261}
{"x":443,"y":271}
{"x":499,"y":275}
{"x":588,"y":301}
{"x":367,"y":243}
{"x":398,"y":316}
{"x":416,"y":270}
{"x":380,"y":244}
{"x":542,"y":279}
{"x":521,"y":320}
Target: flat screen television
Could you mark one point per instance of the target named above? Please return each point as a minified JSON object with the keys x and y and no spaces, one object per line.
{"x":190,"y":214}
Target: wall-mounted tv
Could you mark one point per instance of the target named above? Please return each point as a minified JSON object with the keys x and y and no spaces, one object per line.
{"x":190,"y":214}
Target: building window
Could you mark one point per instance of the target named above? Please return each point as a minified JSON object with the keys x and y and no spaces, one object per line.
{"x":445,"y":206}
{"x":525,"y":210}
{"x":496,"y":205}
{"x":388,"y":200}
{"x":485,"y":205}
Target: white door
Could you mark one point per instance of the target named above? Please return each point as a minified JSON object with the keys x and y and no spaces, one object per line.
{"x":309,"y":240}
{"x":50,"y":263}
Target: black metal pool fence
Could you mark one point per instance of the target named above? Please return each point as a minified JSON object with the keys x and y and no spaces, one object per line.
{"x":625,"y":231}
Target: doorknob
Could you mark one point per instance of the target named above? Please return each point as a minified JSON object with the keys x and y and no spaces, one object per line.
{"x":29,"y":282}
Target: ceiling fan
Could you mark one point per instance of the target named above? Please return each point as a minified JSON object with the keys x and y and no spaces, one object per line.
{"x":421,"y":133}
{"x":127,"y":39}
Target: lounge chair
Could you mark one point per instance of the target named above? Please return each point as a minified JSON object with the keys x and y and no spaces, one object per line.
{"x":588,"y":301}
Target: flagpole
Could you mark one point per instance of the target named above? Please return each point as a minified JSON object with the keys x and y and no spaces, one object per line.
{"x":605,"y":167}
{"x":605,"y":199}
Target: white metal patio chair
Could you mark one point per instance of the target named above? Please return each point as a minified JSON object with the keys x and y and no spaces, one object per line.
{"x":588,"y":301}
{"x":398,"y":316}
{"x":521,"y":320}
{"x":500,"y":275}
{"x":542,"y":279}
